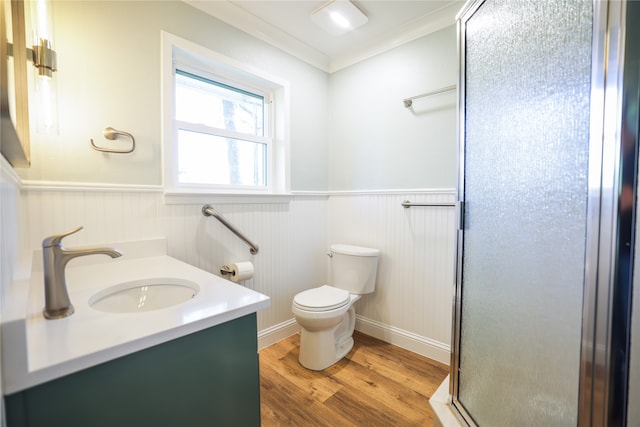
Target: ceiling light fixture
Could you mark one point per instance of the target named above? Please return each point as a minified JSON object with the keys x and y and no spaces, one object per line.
{"x":340,"y":20}
{"x":338,"y":17}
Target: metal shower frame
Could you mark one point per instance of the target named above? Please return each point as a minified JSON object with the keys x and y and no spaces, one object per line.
{"x":596,"y":377}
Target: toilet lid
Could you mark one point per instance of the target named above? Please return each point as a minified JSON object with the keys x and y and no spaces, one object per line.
{"x":323,"y":298}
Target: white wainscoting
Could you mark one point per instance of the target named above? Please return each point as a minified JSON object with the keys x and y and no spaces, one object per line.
{"x":9,"y":199}
{"x":292,"y":236}
{"x":412,"y":303}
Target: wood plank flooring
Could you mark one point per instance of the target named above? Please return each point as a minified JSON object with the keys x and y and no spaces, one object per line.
{"x":377,"y":384}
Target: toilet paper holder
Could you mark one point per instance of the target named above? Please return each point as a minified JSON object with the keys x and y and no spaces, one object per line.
{"x":239,"y":271}
{"x":225,"y":270}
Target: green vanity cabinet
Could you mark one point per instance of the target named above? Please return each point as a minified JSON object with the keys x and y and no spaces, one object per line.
{"x":208,"y":378}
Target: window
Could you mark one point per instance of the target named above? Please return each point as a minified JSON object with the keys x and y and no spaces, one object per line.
{"x":220,"y":120}
{"x":221,"y":137}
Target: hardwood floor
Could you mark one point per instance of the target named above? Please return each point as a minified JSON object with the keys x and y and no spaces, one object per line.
{"x":377,"y":384}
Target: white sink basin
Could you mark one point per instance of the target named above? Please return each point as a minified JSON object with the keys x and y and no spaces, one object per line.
{"x":144,"y":295}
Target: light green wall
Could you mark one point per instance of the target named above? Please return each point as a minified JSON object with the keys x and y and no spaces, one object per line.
{"x":374,"y":141}
{"x":348,"y":131}
{"x":109,"y":75}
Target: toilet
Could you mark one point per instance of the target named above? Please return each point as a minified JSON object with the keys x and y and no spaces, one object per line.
{"x":326,"y":315}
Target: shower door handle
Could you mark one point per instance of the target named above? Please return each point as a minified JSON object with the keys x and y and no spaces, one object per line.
{"x":460,"y":214}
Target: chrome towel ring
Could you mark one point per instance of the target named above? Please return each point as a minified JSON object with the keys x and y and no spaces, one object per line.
{"x":111,"y":134}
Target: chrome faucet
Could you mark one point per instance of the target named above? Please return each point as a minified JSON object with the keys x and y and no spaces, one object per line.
{"x":56,"y":257}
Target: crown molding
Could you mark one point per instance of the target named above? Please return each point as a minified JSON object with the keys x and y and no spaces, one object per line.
{"x":420,"y":27}
{"x":235,"y":16}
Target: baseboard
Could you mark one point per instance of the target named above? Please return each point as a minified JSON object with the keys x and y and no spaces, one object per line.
{"x":424,"y":346}
{"x":276,"y":333}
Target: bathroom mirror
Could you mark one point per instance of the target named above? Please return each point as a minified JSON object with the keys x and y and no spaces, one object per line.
{"x":14,"y":102}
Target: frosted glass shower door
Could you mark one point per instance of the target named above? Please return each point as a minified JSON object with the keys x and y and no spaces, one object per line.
{"x":526,"y":68}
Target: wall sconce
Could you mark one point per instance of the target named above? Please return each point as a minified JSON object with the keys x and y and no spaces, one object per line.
{"x":44,"y":58}
{"x":45,"y":63}
{"x":14,"y":85}
{"x":43,"y":55}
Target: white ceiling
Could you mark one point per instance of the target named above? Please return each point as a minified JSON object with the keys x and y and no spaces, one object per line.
{"x":288,"y":25}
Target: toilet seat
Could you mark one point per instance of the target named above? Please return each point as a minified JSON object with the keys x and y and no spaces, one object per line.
{"x":323,"y":298}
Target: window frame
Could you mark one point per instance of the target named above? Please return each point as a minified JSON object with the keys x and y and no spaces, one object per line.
{"x":178,"y":53}
{"x":267,"y":126}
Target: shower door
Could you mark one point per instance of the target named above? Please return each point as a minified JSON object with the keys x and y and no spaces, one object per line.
{"x":524,"y":121}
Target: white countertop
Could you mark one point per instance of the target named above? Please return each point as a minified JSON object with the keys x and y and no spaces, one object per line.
{"x":36,"y":350}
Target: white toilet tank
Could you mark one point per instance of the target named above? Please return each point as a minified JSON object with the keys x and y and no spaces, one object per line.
{"x":354,"y":268}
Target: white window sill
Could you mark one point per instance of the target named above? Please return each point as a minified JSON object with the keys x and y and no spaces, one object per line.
{"x":172,"y":198}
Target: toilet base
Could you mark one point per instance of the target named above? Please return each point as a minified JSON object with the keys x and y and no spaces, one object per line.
{"x":321,"y":349}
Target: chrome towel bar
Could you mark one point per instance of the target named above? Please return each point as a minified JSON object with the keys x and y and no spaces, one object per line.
{"x":207,"y":210}
{"x":407,"y":204}
{"x":408,"y":102}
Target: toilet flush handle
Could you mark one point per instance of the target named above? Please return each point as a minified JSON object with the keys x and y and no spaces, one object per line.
{"x":329,"y":254}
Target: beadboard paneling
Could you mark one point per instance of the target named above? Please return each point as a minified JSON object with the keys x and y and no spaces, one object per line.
{"x":416,"y":267}
{"x":9,"y":197}
{"x":415,"y":273}
{"x":292,"y":236}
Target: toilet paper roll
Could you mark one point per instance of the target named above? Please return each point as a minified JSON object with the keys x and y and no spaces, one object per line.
{"x":241,"y":271}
